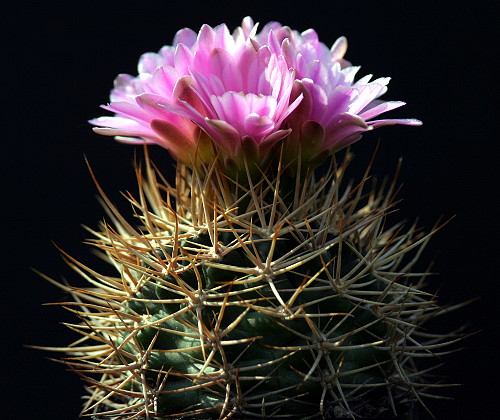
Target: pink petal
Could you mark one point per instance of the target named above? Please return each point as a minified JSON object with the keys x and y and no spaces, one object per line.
{"x":127,"y":109}
{"x":184,"y":93}
{"x":257,"y":126}
{"x":276,"y":136}
{"x":344,"y":126}
{"x":339,"y":48}
{"x":248,"y":27}
{"x":170,"y":132}
{"x":313,"y":134}
{"x":223,"y":133}
{"x":379,"y":108}
{"x":185,"y":36}
{"x":248,"y":147}
{"x":403,"y":121}
{"x":206,"y":38}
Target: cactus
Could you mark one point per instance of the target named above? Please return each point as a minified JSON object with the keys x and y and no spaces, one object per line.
{"x":255,"y":285}
{"x":305,"y":304}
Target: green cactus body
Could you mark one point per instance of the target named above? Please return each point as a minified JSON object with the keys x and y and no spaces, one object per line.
{"x":296,"y":305}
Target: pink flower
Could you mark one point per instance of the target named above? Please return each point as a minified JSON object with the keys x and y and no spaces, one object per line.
{"x":245,"y":91}
{"x":214,"y":84}
{"x":335,"y":110}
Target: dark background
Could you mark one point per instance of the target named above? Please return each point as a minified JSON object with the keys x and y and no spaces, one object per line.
{"x":59,"y":62}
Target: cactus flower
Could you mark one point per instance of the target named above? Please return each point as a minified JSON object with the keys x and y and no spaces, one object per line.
{"x":335,"y":110}
{"x":245,"y":91}
{"x":236,"y":91}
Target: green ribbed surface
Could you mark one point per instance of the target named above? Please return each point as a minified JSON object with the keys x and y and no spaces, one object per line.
{"x":270,"y":370}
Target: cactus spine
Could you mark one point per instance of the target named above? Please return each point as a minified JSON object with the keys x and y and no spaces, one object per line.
{"x":254,"y":300}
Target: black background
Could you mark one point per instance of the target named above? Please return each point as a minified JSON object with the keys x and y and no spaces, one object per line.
{"x":59,"y":62}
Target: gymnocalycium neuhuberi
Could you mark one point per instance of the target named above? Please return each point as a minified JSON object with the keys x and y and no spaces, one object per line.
{"x":253,"y":286}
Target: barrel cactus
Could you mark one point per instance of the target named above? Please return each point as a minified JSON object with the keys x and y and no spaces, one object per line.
{"x":254,"y":286}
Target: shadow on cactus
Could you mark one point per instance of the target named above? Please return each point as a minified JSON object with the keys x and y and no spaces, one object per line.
{"x":302,"y":307}
{"x":253,"y":287}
